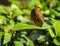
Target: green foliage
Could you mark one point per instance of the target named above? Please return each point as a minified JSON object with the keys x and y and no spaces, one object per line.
{"x":16,"y":28}
{"x":7,"y":38}
{"x":56,"y":34}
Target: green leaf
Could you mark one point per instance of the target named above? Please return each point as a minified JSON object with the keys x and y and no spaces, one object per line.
{"x":57,"y":28}
{"x":23,"y":19}
{"x":1,"y":34}
{"x":19,"y":26}
{"x":41,"y":38}
{"x":47,"y":12}
{"x":16,"y":2}
{"x":38,"y":3}
{"x":30,"y":3}
{"x":56,"y":41}
{"x":52,"y":11}
{"x":9,"y":12}
{"x":2,"y":10}
{"x":51,"y":32}
{"x":29,"y":42}
{"x":45,"y":26}
{"x":22,"y":40}
{"x":2,"y":19}
{"x":12,"y":23}
{"x":8,"y":28}
{"x":17,"y":43}
{"x":7,"y":38}
{"x":16,"y":11}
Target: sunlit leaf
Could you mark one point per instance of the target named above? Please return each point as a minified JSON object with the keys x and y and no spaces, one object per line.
{"x":51,"y":32}
{"x":29,"y":42}
{"x":17,"y":43}
{"x":38,"y":3}
{"x":41,"y":38}
{"x":7,"y":38}
{"x":56,"y":41}
{"x":52,"y":11}
{"x":2,"y":10}
{"x":23,"y":40}
{"x":16,"y":11}
{"x":57,"y":28}
{"x":2,"y":20}
{"x":19,"y":26}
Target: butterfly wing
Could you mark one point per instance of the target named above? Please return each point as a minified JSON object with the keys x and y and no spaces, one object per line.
{"x":36,"y":17}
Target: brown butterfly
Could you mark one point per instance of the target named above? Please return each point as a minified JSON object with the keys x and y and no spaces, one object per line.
{"x":36,"y":17}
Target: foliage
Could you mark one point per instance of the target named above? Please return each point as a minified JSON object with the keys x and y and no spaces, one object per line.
{"x":16,"y":28}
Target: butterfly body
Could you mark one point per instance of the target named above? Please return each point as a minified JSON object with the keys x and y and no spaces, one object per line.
{"x":36,"y":17}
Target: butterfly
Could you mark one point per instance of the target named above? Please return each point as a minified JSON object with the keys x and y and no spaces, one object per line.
{"x":36,"y":17}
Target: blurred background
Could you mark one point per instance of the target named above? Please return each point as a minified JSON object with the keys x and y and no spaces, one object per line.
{"x":16,"y":28}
